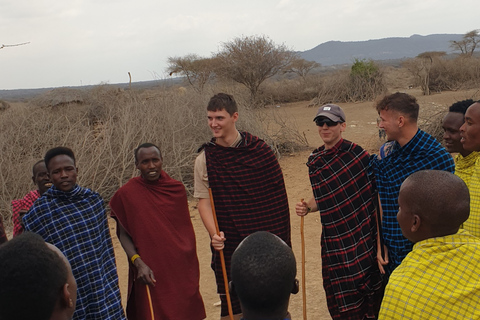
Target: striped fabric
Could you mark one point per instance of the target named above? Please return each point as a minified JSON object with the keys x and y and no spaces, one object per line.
{"x":19,"y":204}
{"x":422,"y":152}
{"x":76,"y":222}
{"x":468,"y":169}
{"x":249,"y":194}
{"x":439,"y":279}
{"x":344,"y":194}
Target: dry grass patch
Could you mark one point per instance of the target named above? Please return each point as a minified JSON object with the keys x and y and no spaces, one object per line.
{"x":105,"y":127}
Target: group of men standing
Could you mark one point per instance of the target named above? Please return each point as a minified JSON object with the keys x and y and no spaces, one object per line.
{"x":153,"y":221}
{"x":359,"y":241}
{"x":238,"y":177}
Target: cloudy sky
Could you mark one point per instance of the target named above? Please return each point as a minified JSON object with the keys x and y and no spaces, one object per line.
{"x":88,"y":42}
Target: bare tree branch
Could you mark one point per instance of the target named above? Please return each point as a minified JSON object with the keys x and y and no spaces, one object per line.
{"x":13,"y":45}
{"x":301,"y":67}
{"x":252,"y":60}
{"x":197,"y":70}
{"x":468,"y":44}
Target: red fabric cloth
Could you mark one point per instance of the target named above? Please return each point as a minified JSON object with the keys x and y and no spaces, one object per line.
{"x":20,"y":204}
{"x":249,"y":195}
{"x":345,"y":196}
{"x":157,"y":218}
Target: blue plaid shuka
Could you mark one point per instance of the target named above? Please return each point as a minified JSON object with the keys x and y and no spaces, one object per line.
{"x":423,"y":152}
{"x":76,"y":222}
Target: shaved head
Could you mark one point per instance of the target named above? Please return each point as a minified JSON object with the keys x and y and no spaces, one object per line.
{"x":439,"y":198}
{"x":263,"y":274}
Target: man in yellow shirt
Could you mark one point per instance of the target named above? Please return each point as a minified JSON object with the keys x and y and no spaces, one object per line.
{"x":440,"y":277}
{"x":453,"y":120}
{"x":470,"y":133}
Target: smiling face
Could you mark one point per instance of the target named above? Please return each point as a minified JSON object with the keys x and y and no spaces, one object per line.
{"x":62,"y":172}
{"x":390,"y":121}
{"x":149,"y":162}
{"x":470,"y":130}
{"x":222,"y":125}
{"x":331,"y":134}
{"x":451,"y":127}
{"x":41,"y":178}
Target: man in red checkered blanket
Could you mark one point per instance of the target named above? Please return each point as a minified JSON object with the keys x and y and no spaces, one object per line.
{"x":247,"y":186}
{"x":21,"y":206}
{"x":344,"y":194}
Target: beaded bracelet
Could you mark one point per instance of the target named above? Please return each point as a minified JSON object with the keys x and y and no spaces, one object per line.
{"x":134,"y":257}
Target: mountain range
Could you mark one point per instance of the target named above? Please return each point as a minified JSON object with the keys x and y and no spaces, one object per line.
{"x":327,"y":54}
{"x":339,"y":52}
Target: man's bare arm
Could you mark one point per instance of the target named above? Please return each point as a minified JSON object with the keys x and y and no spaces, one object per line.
{"x":206,"y":213}
{"x":144,"y":273}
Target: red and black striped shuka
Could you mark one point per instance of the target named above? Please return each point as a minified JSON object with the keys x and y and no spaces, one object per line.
{"x":344,"y":194}
{"x":249,"y":194}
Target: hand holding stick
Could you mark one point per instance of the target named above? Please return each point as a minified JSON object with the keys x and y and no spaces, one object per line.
{"x":222,"y":258}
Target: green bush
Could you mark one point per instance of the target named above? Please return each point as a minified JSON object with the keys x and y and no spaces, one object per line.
{"x":366,"y":81}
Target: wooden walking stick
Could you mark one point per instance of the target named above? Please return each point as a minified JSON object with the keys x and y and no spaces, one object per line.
{"x":150,"y":302}
{"x":304,"y":290}
{"x":222,"y":257}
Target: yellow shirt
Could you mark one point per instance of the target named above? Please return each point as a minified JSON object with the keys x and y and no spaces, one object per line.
{"x":439,"y":279}
{"x":468,"y":169}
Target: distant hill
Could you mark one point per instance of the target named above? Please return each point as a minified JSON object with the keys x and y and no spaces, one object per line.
{"x":328,"y":54}
{"x":338,"y":52}
{"x":25,"y":94}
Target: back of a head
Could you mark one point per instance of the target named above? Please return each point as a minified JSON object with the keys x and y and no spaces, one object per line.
{"x":461,"y":106}
{"x":222,"y":101}
{"x":263,"y":273}
{"x":440,"y":198}
{"x":402,"y":103}
{"x":57,"y":151}
{"x":31,"y":277}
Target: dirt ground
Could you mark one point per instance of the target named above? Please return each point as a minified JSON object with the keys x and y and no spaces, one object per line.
{"x":361,"y":128}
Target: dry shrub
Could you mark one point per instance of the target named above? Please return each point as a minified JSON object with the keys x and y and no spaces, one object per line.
{"x":289,"y":90}
{"x":283,"y":133}
{"x":398,"y":78}
{"x":455,"y":74}
{"x":362,"y":84}
{"x":59,"y":97}
{"x":442,"y":74}
{"x":103,"y":131}
{"x":4,"y":105}
{"x":432,"y":124}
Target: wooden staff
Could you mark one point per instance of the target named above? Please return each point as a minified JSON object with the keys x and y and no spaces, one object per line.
{"x":304,"y":290}
{"x":150,"y":302}
{"x":222,"y":257}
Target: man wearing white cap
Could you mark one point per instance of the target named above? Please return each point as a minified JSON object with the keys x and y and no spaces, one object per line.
{"x":344,"y":195}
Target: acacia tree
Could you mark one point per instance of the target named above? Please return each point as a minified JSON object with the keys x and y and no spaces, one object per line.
{"x":250,"y":60}
{"x":197,"y":70}
{"x":421,"y":68}
{"x":301,"y":67}
{"x":468,"y":44}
